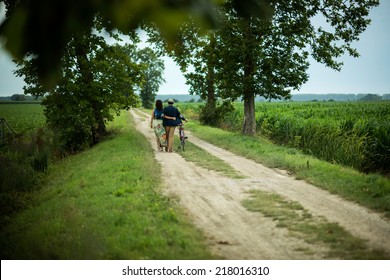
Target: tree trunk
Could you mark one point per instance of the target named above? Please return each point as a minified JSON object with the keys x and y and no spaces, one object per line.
{"x":101,"y":126}
{"x":209,"y":116}
{"x":211,"y":101}
{"x":249,"y":123}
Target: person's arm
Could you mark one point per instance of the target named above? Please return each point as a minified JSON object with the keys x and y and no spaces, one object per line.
{"x":180,"y":116}
{"x":168,"y":117}
{"x":151,"y":119}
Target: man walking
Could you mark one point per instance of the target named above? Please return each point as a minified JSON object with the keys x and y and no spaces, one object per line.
{"x":171,"y":123}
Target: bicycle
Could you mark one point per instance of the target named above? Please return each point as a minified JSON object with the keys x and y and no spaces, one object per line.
{"x":182,"y":136}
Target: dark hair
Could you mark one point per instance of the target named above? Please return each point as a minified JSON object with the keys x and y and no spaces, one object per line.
{"x":159,"y":105}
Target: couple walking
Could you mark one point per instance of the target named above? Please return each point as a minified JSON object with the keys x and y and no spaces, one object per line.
{"x":164,"y":122}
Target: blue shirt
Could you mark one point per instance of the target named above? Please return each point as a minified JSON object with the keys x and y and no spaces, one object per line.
{"x":157,"y":114}
{"x":171,"y":111}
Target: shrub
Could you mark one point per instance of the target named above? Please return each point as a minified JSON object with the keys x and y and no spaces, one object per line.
{"x":16,"y":176}
{"x":216,"y":115}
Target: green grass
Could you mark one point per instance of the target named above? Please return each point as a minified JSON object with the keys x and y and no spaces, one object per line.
{"x":103,"y":203}
{"x":370,"y":190}
{"x":206,"y":160}
{"x":301,"y":224}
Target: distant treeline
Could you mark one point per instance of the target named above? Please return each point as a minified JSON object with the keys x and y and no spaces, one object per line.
{"x":195,"y":98}
{"x":340,"y":97}
{"x":20,"y":98}
{"x":295,"y":97}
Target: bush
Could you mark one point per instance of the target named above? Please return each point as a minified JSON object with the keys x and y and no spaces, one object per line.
{"x":16,"y":176}
{"x":215,"y":115}
{"x":23,"y":160}
{"x":21,"y":165}
{"x":72,"y":121}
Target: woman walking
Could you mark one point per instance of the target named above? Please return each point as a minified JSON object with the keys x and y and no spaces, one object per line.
{"x":156,"y":122}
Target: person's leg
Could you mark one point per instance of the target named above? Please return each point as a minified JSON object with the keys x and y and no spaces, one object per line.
{"x":167,"y":137}
{"x":170,"y":136}
{"x":159,"y":147}
{"x":156,"y":132}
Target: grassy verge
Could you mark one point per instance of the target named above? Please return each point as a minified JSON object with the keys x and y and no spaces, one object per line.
{"x":206,"y":160}
{"x":370,"y":190}
{"x":103,"y":204}
{"x":313,"y":230}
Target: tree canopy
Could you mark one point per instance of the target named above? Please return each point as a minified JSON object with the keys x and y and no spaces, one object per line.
{"x":96,"y":79}
{"x":267,"y":55}
{"x":153,"y":76}
{"x":45,"y":27}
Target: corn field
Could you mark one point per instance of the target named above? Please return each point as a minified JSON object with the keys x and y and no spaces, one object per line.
{"x":355,"y":134}
{"x":23,"y":117}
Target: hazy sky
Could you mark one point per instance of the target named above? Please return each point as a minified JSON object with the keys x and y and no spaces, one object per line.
{"x":367,"y":74}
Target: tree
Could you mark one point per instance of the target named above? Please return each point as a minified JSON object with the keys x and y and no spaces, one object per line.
{"x":267,"y":54}
{"x":153,"y":71}
{"x":259,"y":57}
{"x":370,"y":97}
{"x":269,"y":57}
{"x":196,"y":54}
{"x":95,"y":80}
{"x":18,"y":97}
{"x":201,"y":77}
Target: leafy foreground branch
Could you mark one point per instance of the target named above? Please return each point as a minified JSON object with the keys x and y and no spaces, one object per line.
{"x":103,"y":204}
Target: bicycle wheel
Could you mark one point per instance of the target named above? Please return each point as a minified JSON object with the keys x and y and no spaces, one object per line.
{"x":182,"y":142}
{"x":182,"y":137}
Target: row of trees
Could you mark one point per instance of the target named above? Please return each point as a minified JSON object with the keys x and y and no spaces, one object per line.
{"x":249,"y":55}
{"x":231,"y":49}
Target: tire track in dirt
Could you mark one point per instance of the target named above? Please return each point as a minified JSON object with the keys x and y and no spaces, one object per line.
{"x":358,"y":220}
{"x":214,"y":204}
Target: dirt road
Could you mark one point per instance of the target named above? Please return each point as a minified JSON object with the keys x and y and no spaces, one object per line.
{"x":214,"y":204}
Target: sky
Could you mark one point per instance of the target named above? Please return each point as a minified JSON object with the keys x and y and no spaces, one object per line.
{"x":367,"y":74}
